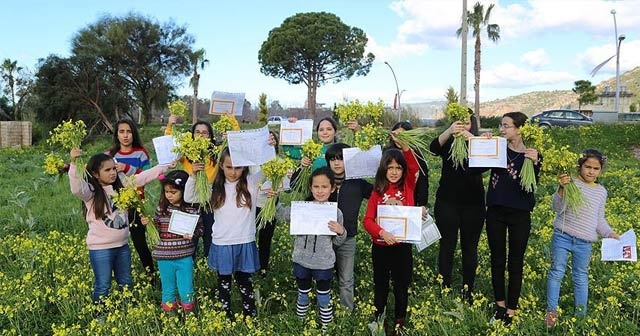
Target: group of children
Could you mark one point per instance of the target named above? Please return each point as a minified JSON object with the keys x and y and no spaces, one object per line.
{"x":229,"y":228}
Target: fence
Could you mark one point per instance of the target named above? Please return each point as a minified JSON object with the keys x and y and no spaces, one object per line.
{"x":15,"y":134}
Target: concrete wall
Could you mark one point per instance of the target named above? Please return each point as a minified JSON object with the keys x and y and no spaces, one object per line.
{"x":15,"y":133}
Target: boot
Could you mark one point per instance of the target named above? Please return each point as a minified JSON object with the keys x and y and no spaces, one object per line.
{"x":189,"y":309}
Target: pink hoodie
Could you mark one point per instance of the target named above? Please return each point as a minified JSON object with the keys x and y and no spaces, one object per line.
{"x":100,"y":236}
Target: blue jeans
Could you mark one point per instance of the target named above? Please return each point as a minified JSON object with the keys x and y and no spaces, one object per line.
{"x":562,"y":245}
{"x":345,"y":258}
{"x":116,"y":260}
{"x":176,"y":275}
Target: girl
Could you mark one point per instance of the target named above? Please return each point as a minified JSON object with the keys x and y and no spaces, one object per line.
{"x":173,"y":252}
{"x":233,"y":249}
{"x":201,"y":129}
{"x":108,"y":235}
{"x":460,"y":207}
{"x":575,"y":231}
{"x":395,"y":183}
{"x":326,"y":130}
{"x":421,"y":193}
{"x":131,"y":158}
{"x":509,"y":210}
{"x":265,"y":235}
{"x":313,"y":255}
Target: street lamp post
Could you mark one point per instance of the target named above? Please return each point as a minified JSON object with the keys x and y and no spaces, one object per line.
{"x":618,"y":42}
{"x":397,"y":87}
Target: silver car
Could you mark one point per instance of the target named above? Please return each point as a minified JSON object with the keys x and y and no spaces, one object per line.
{"x":561,"y":118}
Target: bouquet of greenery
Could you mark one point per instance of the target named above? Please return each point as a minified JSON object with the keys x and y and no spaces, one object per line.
{"x":274,"y":172}
{"x":532,"y":136}
{"x":196,"y":149}
{"x":370,"y":135}
{"x":53,"y":163}
{"x":70,"y":135}
{"x":416,"y":140}
{"x":459,"y":150}
{"x":129,"y":197}
{"x":222,"y":126}
{"x":179,"y":108}
{"x":354,"y":110}
{"x":562,"y":161}
{"x":311,"y":150}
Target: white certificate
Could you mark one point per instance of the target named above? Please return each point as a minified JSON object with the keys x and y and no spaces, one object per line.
{"x":403,"y":222}
{"x":485,"y":152}
{"x":183,"y":223}
{"x":284,"y":185}
{"x":312,"y":218}
{"x":163,"y":146}
{"x":624,"y":249}
{"x":430,"y":234}
{"x":250,"y":147}
{"x":359,"y":164}
{"x":226,"y":102}
{"x":296,"y":133}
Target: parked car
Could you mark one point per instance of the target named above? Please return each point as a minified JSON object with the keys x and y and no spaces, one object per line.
{"x":561,"y":118}
{"x":275,"y":120}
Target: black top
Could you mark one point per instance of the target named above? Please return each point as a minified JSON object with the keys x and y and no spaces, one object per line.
{"x":462,"y":186}
{"x":504,"y":186}
{"x":349,"y":198}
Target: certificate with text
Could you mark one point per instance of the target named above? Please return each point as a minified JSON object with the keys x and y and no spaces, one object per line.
{"x":182,"y":223}
{"x":624,"y":249}
{"x":403,"y":222}
{"x":359,"y":164}
{"x":296,"y":133}
{"x":312,"y":218}
{"x":226,"y":102}
{"x":488,"y":152}
{"x":250,"y":147}
{"x":163,"y":146}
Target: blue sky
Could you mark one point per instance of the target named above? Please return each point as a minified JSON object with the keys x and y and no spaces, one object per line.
{"x":545,"y":44}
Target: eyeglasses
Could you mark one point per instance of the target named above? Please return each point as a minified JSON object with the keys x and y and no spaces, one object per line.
{"x":202,"y":132}
{"x":505,"y":126}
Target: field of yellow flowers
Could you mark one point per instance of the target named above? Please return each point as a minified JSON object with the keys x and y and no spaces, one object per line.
{"x":46,"y":280}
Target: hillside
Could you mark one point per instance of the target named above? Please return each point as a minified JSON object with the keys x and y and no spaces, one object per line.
{"x":533,"y":102}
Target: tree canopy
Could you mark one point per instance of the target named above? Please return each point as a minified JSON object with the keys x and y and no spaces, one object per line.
{"x":149,"y":59}
{"x":586,"y":92}
{"x":314,"y":48}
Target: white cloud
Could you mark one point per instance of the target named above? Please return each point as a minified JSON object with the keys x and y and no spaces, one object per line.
{"x":511,"y":76}
{"x":394,"y":50}
{"x":593,"y":56}
{"x":535,"y":58}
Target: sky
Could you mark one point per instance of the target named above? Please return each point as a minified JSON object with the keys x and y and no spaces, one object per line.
{"x":544,"y":44}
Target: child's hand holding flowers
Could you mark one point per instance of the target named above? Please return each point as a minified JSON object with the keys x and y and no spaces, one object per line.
{"x":532,"y":136}
{"x":196,"y":149}
{"x":459,"y":149}
{"x":70,"y":135}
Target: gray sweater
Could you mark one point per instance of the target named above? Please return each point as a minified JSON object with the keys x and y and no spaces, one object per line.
{"x":316,"y":251}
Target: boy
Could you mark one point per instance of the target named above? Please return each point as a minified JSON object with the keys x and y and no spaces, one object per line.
{"x":349,"y":195}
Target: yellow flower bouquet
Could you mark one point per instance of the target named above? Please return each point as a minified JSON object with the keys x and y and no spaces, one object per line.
{"x":179,"y":108}
{"x":562,"y":161}
{"x":53,"y":163}
{"x":128,"y":197}
{"x":311,"y":150}
{"x":69,"y":135}
{"x":532,"y":136}
{"x":274,"y":171}
{"x":459,"y":150}
{"x":222,"y":126}
{"x":350,"y":111}
{"x":196,"y":149}
{"x":370,"y":135}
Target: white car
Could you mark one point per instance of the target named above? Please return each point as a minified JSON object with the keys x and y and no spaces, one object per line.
{"x":275,"y":120}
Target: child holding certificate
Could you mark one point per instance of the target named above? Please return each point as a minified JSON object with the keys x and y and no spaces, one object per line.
{"x":313,"y":255}
{"x":174,"y":251}
{"x":574,"y":232}
{"x":395,"y":182}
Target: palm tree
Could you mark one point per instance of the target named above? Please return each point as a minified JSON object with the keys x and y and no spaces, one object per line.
{"x":9,"y":70}
{"x":198,"y":61}
{"x":477,"y":20}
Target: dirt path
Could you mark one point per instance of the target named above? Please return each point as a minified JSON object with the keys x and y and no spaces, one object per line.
{"x":636,"y":152}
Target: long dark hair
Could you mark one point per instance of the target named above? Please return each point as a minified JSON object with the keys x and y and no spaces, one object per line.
{"x":518,"y":118}
{"x":134,"y":131}
{"x":177,"y":179}
{"x":100,"y":198}
{"x":381,"y":183}
{"x":206,"y":124}
{"x":333,"y":123}
{"x":277,"y":144}
{"x":218,"y":196}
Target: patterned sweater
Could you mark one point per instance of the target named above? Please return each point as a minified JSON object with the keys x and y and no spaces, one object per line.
{"x":171,"y":245}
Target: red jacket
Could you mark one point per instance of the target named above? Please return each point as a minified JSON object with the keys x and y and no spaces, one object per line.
{"x":403,"y":195}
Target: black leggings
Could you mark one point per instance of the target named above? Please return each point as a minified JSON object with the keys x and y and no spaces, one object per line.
{"x":207,"y":227}
{"x":395,"y":263}
{"x":245,"y":287}
{"x":517,"y":223}
{"x":469,"y":220}
{"x":138,"y":236}
{"x":265,"y":235}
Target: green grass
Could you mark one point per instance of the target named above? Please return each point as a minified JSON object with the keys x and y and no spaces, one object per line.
{"x":46,"y":280}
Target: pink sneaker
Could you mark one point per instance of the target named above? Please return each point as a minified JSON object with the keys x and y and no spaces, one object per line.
{"x":551,"y":318}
